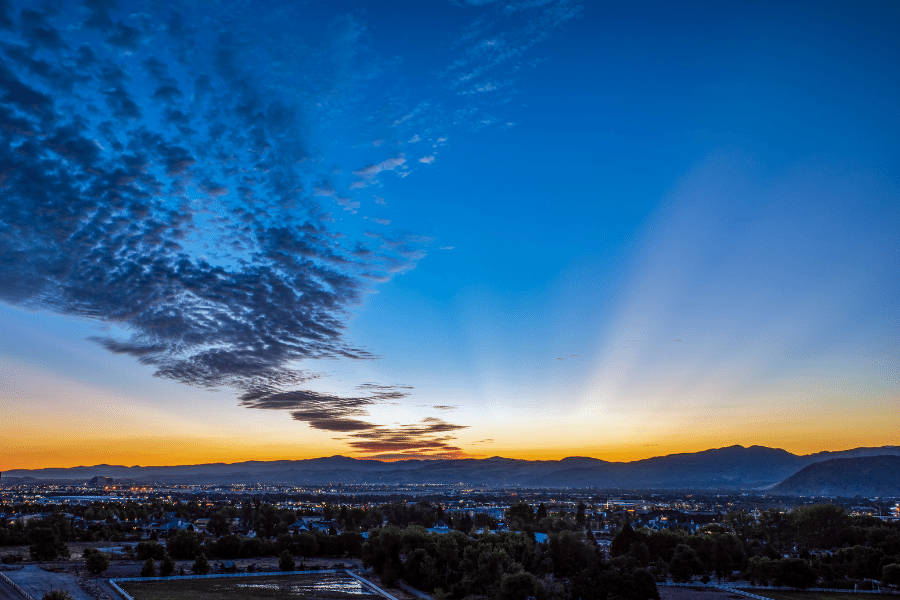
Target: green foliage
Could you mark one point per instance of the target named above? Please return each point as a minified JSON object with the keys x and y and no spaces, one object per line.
{"x":351,"y":542}
{"x":519,"y":515}
{"x":382,"y":547}
{"x":149,"y":568}
{"x":95,"y":561}
{"x":47,"y":544}
{"x":685,"y":564}
{"x":57,"y":595}
{"x":623,"y":540}
{"x":154,"y":550}
{"x":167,"y":566}
{"x":517,"y":586}
{"x":579,"y":515}
{"x":286,"y":561}
{"x":201,"y":565}
{"x":219,"y":524}
{"x":890,"y":574}
{"x":821,"y":525}
{"x":270,"y":521}
{"x":306,"y":544}
{"x":184,"y":545}
{"x":794,"y":572}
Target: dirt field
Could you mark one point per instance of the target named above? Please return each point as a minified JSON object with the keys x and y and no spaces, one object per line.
{"x":297,"y":587}
{"x":37,"y":582}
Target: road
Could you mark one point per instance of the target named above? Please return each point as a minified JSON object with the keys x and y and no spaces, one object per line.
{"x":7,"y":593}
{"x":37,"y":582}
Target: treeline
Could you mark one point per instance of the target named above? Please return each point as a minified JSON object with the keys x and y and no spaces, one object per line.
{"x":188,"y":545}
{"x":817,"y":543}
{"x":503,"y":566}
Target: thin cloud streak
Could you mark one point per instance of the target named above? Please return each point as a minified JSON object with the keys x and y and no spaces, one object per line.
{"x":154,"y":180}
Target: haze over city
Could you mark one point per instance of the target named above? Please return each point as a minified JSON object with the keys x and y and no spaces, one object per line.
{"x":259,"y":231}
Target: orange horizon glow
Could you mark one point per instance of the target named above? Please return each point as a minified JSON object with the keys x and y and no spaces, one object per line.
{"x":194,"y":452}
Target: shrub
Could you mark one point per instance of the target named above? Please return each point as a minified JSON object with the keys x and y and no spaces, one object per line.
{"x":149,"y":568}
{"x":96,"y":562}
{"x":153,"y":550}
{"x":167,"y":567}
{"x":201,"y":565}
{"x":286,"y":561}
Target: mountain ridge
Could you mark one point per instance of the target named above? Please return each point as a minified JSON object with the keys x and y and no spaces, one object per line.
{"x":847,"y":477}
{"x":730,"y":467}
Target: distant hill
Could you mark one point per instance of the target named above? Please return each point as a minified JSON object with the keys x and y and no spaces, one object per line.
{"x":857,"y":476}
{"x":734,"y":467}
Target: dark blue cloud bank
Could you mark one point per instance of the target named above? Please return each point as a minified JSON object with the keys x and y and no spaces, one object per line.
{"x":174,"y":171}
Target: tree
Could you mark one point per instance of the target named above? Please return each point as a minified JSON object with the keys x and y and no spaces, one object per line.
{"x":541,"y":512}
{"x":621,"y":544}
{"x":685,"y":564}
{"x":517,"y":586}
{"x":149,"y":568}
{"x":821,"y":525}
{"x":57,"y":595}
{"x":96,"y":562}
{"x":890,"y":574}
{"x":219,"y":524}
{"x":46,"y":544}
{"x":201,"y":565}
{"x":351,"y":542}
{"x":794,"y":572}
{"x":154,"y":550}
{"x":184,"y":545}
{"x":519,"y":515}
{"x":167,"y":566}
{"x":286,"y":561}
{"x":579,"y":516}
{"x":641,"y":552}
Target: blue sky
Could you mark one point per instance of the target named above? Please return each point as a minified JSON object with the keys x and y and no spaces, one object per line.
{"x":529,"y":228}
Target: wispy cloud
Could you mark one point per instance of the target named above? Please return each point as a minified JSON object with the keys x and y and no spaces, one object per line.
{"x":168,"y":179}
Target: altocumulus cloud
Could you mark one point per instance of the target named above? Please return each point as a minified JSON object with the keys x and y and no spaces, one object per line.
{"x":157,"y":176}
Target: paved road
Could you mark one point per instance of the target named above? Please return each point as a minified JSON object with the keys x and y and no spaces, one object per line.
{"x":7,"y":593}
{"x":37,"y":582}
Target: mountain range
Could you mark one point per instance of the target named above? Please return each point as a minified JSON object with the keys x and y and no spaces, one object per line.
{"x":730,"y":468}
{"x":858,"y":476}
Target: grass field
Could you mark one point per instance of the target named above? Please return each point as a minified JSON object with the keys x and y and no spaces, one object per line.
{"x":331,"y":586}
{"x":791,"y":595}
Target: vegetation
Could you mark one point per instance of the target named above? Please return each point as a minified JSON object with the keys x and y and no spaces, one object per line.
{"x":502,"y":565}
{"x":95,"y":561}
{"x":149,"y":568}
{"x":811,"y":545}
{"x":286,"y":561}
{"x":201,"y":565}
{"x":817,"y":544}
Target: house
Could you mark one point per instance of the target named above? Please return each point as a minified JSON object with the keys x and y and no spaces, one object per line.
{"x":298,"y":526}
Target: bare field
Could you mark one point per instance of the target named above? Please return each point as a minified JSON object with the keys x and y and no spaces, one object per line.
{"x":331,"y":586}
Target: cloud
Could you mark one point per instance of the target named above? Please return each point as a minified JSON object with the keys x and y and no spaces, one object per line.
{"x":368,"y":174}
{"x":168,"y":177}
{"x":427,"y":159}
{"x":178,"y":212}
{"x":429,"y":435}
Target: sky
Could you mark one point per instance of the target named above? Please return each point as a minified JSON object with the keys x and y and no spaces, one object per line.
{"x":280,"y":230}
